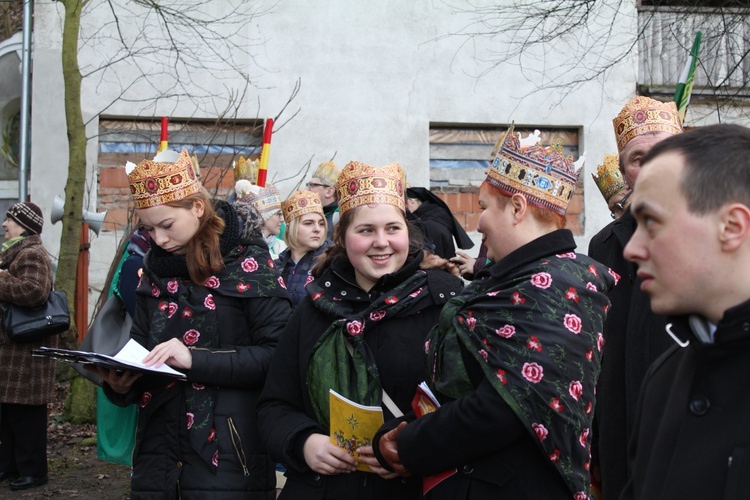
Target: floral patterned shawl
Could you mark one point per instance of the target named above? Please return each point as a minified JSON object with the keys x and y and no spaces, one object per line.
{"x":188,"y":311}
{"x":534,"y":326}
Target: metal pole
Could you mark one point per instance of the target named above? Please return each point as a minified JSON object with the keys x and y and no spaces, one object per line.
{"x":24,"y":149}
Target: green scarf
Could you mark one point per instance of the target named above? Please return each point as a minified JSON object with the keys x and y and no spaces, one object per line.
{"x":11,"y":242}
{"x":355,"y":376}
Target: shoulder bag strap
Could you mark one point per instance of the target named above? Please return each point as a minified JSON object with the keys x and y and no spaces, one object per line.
{"x":387,"y":401}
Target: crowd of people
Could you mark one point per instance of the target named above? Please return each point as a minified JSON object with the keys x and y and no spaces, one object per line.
{"x":555,"y":374}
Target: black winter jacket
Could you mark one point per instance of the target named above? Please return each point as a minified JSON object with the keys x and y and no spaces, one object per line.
{"x":297,"y":276}
{"x":286,"y":414}
{"x":165,"y":465}
{"x":690,"y":438}
{"x":634,"y":337}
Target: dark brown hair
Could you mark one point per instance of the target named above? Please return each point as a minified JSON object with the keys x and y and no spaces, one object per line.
{"x":716,"y":165}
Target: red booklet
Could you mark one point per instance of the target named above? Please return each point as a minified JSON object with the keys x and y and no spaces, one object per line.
{"x":425,"y":402}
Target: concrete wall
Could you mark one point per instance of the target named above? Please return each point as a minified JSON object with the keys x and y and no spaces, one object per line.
{"x":374,"y":76}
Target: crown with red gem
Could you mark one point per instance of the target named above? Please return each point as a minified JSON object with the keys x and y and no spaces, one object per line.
{"x":643,"y":115}
{"x":300,"y":203}
{"x":169,"y":177}
{"x":544,"y":174}
{"x":360,"y":184}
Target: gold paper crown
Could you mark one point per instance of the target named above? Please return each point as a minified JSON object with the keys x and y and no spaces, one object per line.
{"x":643,"y":115}
{"x":360,"y":184}
{"x":154,"y":183}
{"x":266,"y":200}
{"x":546,"y":176}
{"x":246,"y":169}
{"x":328,"y":173}
{"x":608,"y":177}
{"x":300,"y":203}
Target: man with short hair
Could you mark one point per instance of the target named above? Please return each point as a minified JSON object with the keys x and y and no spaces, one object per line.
{"x":322,"y":182}
{"x":634,"y":336}
{"x":692,"y":249}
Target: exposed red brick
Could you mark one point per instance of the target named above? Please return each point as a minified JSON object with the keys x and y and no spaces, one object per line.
{"x":471,"y":221}
{"x":113,"y":177}
{"x":451,"y":199}
{"x":575,"y":206}
{"x":117,"y":219}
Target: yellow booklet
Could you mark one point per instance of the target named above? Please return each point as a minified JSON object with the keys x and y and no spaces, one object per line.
{"x":353,"y":425}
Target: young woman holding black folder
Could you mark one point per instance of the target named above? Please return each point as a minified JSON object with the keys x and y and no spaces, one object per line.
{"x":360,"y":331}
{"x":211,"y":305}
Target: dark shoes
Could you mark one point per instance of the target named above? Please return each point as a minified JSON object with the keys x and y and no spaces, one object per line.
{"x":24,"y":483}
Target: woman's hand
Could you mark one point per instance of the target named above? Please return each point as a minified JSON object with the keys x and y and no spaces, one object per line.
{"x":367,"y":457}
{"x":120,"y":381}
{"x":388,"y":445}
{"x":464,"y":262}
{"x":324,"y":457}
{"x":172,"y":352}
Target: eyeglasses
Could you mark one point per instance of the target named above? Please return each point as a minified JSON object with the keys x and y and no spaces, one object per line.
{"x":315,"y":184}
{"x":620,"y":205}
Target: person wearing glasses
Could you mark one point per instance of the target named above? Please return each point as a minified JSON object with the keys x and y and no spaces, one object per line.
{"x":612,"y":185}
{"x":634,"y":336}
{"x":323,"y":182}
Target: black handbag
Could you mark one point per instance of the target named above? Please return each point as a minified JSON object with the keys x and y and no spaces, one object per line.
{"x":29,"y":324}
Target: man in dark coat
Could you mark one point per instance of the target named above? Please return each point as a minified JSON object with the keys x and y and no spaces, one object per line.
{"x":692,"y":248}
{"x":634,"y":336}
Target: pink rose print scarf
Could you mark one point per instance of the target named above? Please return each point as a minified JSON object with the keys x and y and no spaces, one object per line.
{"x":535,"y":331}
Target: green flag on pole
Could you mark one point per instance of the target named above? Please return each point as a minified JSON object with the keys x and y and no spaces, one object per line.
{"x":685,"y":84}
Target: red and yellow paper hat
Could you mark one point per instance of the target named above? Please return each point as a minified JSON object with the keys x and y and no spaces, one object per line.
{"x":300,"y":203}
{"x":643,"y":115}
{"x":608,"y":177}
{"x":361,"y":184}
{"x":544,"y":174}
{"x":167,"y":178}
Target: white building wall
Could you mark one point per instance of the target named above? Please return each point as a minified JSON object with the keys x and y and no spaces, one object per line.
{"x":374,"y":76}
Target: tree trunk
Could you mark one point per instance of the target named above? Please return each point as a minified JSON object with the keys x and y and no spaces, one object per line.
{"x":74,"y":187}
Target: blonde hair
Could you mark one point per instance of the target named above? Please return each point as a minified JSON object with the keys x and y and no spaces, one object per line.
{"x":290,"y":237}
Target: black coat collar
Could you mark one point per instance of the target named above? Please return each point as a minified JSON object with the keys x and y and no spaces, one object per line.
{"x":556,"y":242}
{"x":341,"y":277}
{"x":733,"y":326}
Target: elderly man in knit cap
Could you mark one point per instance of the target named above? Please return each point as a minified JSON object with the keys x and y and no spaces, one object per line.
{"x":28,"y":382}
{"x":634,"y":336}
